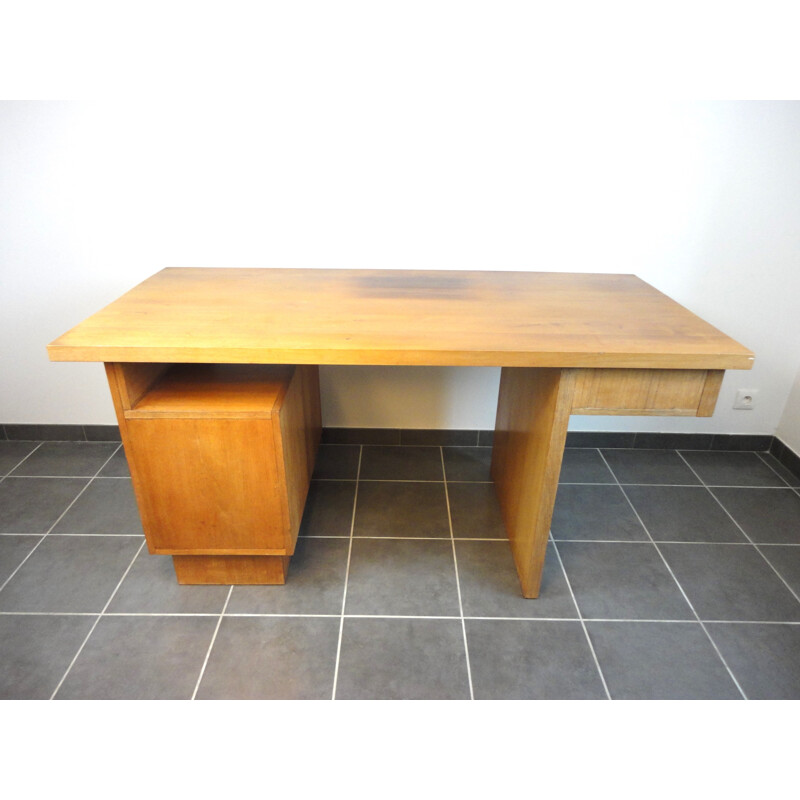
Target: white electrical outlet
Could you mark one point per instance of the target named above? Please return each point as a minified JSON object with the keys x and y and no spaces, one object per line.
{"x":745,"y":398}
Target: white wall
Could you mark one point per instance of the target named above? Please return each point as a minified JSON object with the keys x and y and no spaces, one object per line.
{"x":789,"y":425}
{"x":700,"y":199}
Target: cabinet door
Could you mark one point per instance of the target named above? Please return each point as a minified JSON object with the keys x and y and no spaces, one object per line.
{"x":209,"y":485}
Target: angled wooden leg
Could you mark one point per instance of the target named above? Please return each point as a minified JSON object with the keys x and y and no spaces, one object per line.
{"x":530,"y":433}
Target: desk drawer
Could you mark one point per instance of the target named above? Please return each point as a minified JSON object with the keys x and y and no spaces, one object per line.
{"x":650,"y":392}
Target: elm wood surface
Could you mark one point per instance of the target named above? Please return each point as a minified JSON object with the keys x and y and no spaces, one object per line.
{"x":567,"y":343}
{"x":240,"y":570}
{"x":221,"y":458}
{"x":651,"y":392}
{"x":532,"y":416}
{"x":275,"y":316}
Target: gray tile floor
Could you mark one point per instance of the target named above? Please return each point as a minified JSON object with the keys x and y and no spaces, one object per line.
{"x":670,"y":574}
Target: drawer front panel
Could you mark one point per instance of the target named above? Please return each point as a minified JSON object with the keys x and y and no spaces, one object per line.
{"x":209,"y":486}
{"x":652,"y":392}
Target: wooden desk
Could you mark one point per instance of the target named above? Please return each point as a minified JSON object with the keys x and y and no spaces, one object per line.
{"x":567,"y":343}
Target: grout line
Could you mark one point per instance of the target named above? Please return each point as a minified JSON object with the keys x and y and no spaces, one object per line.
{"x":70,"y":477}
{"x":418,"y":538}
{"x":99,"y":617}
{"x":128,"y":613}
{"x":560,"y":483}
{"x":794,"y":623}
{"x":377,"y":480}
{"x":672,"y":485}
{"x":347,"y":575}
{"x":674,"y":577}
{"x":61,"y":516}
{"x":764,"y":460}
{"x":458,"y":582}
{"x":399,"y":480}
{"x":746,"y":535}
{"x":387,"y":444}
{"x":21,"y":461}
{"x":660,"y":541}
{"x":704,"y":621}
{"x":211,"y":643}
{"x":412,"y":538}
{"x":48,"y":613}
{"x":795,"y":489}
{"x":83,"y":535}
{"x":582,"y":621}
{"x":255,"y":614}
{"x":483,"y":539}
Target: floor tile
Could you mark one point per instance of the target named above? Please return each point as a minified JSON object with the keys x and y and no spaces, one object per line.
{"x":11,"y":453}
{"x":737,"y":442}
{"x":763,"y":658}
{"x":584,"y":465}
{"x":70,"y":573}
{"x":272,"y":658}
{"x":485,"y":438}
{"x":67,"y":459}
{"x":108,"y":506}
{"x":402,"y":577}
{"x":649,"y":466}
{"x":451,"y":438}
{"x":402,"y":659}
{"x":730,"y":582}
{"x":732,"y":469}
{"x":475,"y":511}
{"x":660,"y":661}
{"x":594,"y":513}
{"x":102,"y":433}
{"x":140,"y":658}
{"x":766,"y":515}
{"x":150,"y":587}
{"x":361,"y":436}
{"x":401,"y":463}
{"x":35,"y":651}
{"x":622,"y":581}
{"x":117,"y":466}
{"x":674,"y":441}
{"x":13,"y":550}
{"x":490,"y":586}
{"x":32,"y":505}
{"x":787,"y":475}
{"x":337,"y":461}
{"x":683,"y":514}
{"x":314,"y":583}
{"x":404,"y":508}
{"x":467,"y":463}
{"x":786,"y":560}
{"x":56,"y":433}
{"x":329,"y":509}
{"x":282,"y":641}
{"x":610,"y":439}
{"x":531,"y":660}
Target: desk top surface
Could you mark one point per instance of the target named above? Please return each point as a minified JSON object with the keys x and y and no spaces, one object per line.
{"x":321,"y":316}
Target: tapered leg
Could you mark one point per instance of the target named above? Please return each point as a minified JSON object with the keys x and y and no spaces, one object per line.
{"x":530,"y":433}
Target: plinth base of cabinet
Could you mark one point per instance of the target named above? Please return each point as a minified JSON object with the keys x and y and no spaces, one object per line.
{"x":269,"y":570}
